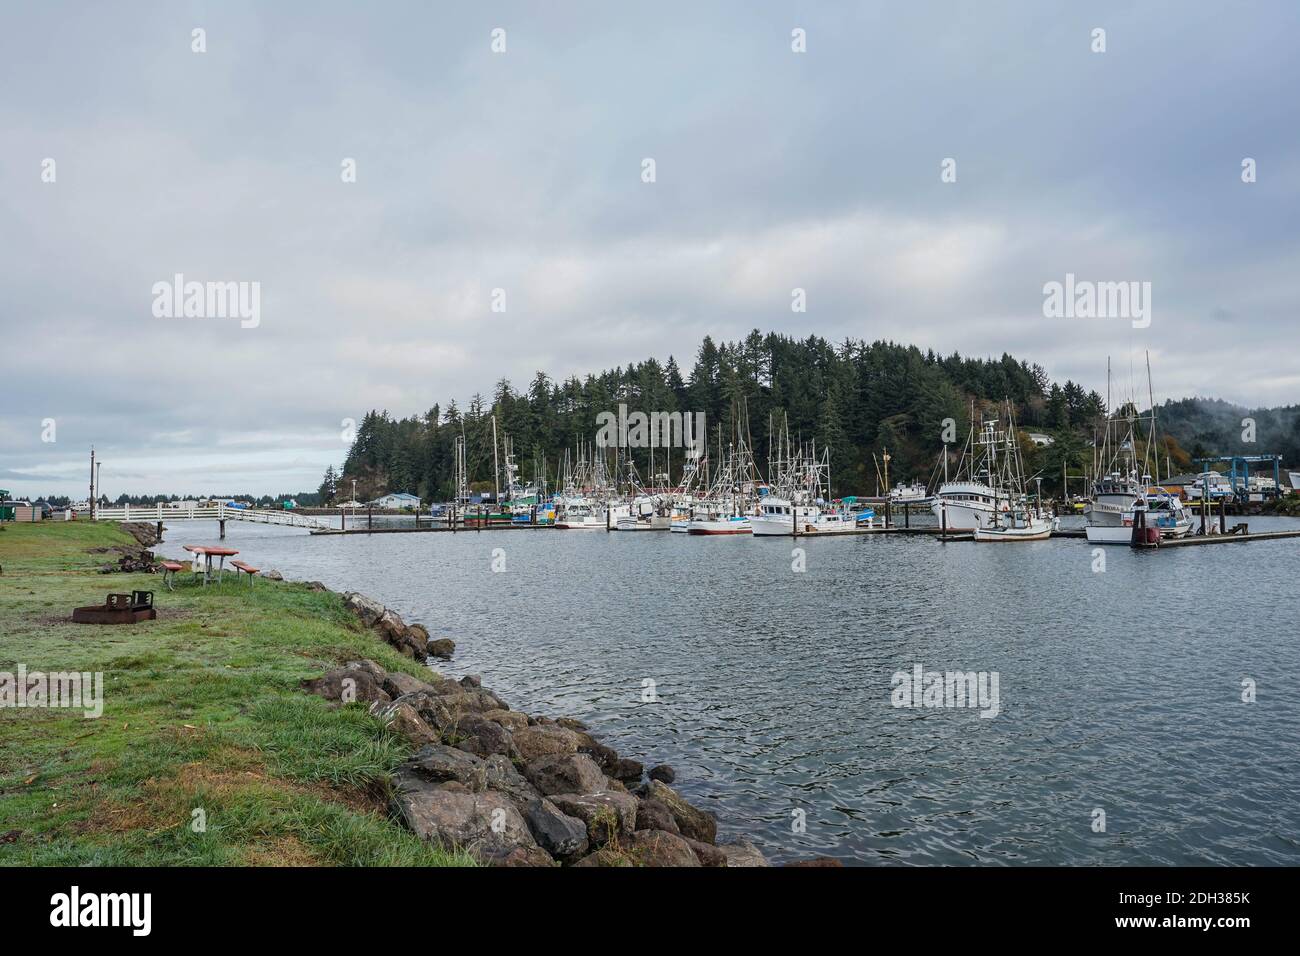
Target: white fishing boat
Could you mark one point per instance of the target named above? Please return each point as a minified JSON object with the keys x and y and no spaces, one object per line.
{"x":915,"y":493}
{"x":579,"y":514}
{"x":991,"y":502}
{"x":1123,"y":492}
{"x":717,"y":523}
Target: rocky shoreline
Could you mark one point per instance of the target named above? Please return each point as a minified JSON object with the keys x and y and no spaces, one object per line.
{"x":516,"y":789}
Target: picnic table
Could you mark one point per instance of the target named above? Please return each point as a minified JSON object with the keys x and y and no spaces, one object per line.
{"x":207,"y":554}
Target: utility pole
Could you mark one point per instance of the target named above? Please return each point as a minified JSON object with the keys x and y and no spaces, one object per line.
{"x":92,"y":482}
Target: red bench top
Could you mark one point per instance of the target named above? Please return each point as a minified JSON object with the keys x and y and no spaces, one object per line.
{"x":245,"y":567}
{"x":173,"y":566}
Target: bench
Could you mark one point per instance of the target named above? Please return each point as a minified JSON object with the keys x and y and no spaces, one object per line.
{"x":169,"y":573}
{"x":246,"y":568}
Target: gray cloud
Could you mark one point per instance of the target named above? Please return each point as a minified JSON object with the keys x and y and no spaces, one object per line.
{"x":521,"y":171}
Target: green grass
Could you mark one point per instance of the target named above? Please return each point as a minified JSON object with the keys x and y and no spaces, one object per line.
{"x":202,"y":710}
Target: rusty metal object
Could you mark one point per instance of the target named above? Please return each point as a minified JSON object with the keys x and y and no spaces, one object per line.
{"x":118,"y":609}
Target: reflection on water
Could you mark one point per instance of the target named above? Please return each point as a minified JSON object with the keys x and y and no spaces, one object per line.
{"x":1120,"y":690}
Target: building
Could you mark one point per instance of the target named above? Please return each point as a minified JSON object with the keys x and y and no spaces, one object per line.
{"x":397,"y":501}
{"x":1040,"y":439}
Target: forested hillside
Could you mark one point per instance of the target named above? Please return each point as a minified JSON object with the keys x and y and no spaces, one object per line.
{"x":856,"y":398}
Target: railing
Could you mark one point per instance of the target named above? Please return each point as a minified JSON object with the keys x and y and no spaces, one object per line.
{"x":211,"y":513}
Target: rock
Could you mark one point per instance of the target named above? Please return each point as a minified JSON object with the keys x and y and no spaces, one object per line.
{"x":556,"y":832}
{"x":499,"y":774}
{"x":606,"y":813}
{"x":375,"y":670}
{"x":433,"y":710}
{"x":418,"y":634}
{"x":347,"y":685}
{"x":402,"y":718}
{"x":692,"y":821}
{"x":565,"y":773}
{"x":617,"y":785}
{"x":480,"y":736}
{"x":523,"y":856}
{"x":816,"y":862}
{"x":485,"y":824}
{"x":605,"y":756}
{"x":663,"y":773}
{"x":626,"y":770}
{"x":658,"y":848}
{"x":316,"y":586}
{"x":707,"y":855}
{"x":605,"y":857}
{"x":743,"y":853}
{"x":441,"y":648}
{"x":438,"y":763}
{"x":511,"y":720}
{"x":390,"y":624}
{"x":471,"y":681}
{"x":569,"y":723}
{"x":367,"y":610}
{"x":398,"y":684}
{"x":654,"y":814}
{"x":544,"y":740}
{"x":273,"y":575}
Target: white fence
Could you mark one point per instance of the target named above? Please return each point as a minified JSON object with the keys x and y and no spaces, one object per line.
{"x":212,"y":513}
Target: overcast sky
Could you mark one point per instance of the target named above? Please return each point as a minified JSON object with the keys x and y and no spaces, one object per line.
{"x":522,"y":170}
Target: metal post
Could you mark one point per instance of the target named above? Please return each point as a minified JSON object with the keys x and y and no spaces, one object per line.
{"x":221,"y":523}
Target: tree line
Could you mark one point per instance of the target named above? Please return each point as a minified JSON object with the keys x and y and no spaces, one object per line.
{"x":855,"y":398}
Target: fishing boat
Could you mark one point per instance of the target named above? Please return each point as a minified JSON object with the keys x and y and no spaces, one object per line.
{"x":993,"y":502}
{"x":1124,"y":495}
{"x":579,"y":514}
{"x":914,"y":493}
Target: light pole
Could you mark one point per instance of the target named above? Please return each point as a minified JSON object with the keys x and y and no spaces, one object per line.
{"x":354,"y":494}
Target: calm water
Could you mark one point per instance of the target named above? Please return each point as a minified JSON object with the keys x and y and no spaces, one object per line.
{"x":1119,"y":690}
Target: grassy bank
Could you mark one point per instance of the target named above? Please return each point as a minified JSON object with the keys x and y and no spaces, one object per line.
{"x":202,"y":711}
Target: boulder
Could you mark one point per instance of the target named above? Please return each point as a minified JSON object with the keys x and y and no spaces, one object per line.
{"x":707,"y":854}
{"x":658,"y":848}
{"x":471,"y":681}
{"x":438,"y":763}
{"x":565,"y":773}
{"x":499,"y":774}
{"x":606,"y":813}
{"x":485,"y":824}
{"x":398,"y":684}
{"x":273,"y":575}
{"x":367,"y":610}
{"x":432,"y":709}
{"x":556,"y":832}
{"x":347,"y":685}
{"x":544,"y":740}
{"x":743,"y":853}
{"x":605,"y":857}
{"x":316,"y":586}
{"x":692,"y":821}
{"x":569,"y":723}
{"x":374,"y":669}
{"x":663,"y":773}
{"x":390,"y":624}
{"x":522,"y":856}
{"x":402,"y":718}
{"x":418,"y":634}
{"x":511,"y":720}
{"x":480,"y":736}
{"x":629,"y":771}
{"x":653,"y":814}
{"x":603,"y":755}
{"x":441,"y":648}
